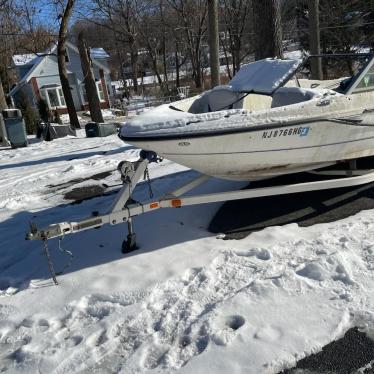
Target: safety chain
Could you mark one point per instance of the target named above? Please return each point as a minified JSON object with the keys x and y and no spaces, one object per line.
{"x":68,"y":253}
{"x":50,"y":264}
{"x":148,"y":179}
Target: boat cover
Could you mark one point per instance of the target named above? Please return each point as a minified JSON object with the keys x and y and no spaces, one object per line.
{"x":264,"y":76}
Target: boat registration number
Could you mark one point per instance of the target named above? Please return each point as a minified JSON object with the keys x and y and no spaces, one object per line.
{"x":293,"y":131}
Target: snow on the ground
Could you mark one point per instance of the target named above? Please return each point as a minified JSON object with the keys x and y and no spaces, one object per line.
{"x":187,"y":300}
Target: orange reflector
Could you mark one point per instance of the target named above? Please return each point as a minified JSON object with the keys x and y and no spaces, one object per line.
{"x":153,"y":205}
{"x":176,"y":203}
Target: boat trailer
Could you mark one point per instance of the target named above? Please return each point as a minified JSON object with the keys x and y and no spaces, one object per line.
{"x":124,"y":208}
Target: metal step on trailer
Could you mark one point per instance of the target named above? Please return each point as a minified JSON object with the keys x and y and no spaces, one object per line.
{"x":123,"y":209}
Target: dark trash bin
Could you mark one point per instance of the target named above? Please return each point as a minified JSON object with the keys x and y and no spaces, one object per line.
{"x":15,"y":127}
{"x":94,"y":129}
{"x":52,"y":131}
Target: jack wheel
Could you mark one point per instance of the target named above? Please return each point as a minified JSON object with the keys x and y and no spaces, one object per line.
{"x":129,"y":245}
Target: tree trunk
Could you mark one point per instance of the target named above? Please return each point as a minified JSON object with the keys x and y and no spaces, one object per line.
{"x":268,"y":29}
{"x":166,"y":79}
{"x":89,"y":81}
{"x":61,"y":52}
{"x":213,"y":42}
{"x":134,"y":69}
{"x":314,"y":39}
{"x":155,"y":69}
{"x":3,"y":104}
{"x":177,"y":66}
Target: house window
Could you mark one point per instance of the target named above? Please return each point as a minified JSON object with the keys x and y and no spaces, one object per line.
{"x":55,"y":97}
{"x":100,"y":91}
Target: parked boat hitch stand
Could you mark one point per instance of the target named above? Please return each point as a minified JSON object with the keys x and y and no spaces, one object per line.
{"x":130,"y":174}
{"x":129,"y":244}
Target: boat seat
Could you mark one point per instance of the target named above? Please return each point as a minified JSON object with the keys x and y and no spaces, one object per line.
{"x":292,"y":95}
{"x":219,"y":98}
{"x":256,"y":102}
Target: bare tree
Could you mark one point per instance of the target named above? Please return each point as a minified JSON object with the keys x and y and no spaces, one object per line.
{"x":268,"y":29}
{"x":151,"y":31}
{"x":89,"y":80}
{"x":314,"y":36}
{"x":122,"y":18}
{"x":213,"y":42}
{"x":236,"y":33}
{"x":61,"y":54}
{"x":19,"y":33}
{"x":191,"y":16}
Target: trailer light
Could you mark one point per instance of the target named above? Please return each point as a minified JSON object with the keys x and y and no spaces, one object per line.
{"x":153,"y":205}
{"x":176,"y":203}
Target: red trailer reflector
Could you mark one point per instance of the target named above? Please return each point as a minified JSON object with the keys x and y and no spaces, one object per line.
{"x":176,"y":203}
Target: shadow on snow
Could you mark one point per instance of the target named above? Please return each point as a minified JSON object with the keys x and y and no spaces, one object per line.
{"x":68,"y":156}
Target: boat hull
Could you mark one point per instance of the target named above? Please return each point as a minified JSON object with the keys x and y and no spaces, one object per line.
{"x":265,"y":152}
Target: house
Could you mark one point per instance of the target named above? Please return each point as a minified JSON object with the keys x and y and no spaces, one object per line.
{"x":39,"y":78}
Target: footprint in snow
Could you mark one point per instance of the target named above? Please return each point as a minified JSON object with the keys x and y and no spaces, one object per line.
{"x":235,"y":322}
{"x":28,"y":323}
{"x":268,"y":334}
{"x":154,"y":356}
{"x":43,"y":325}
{"x":72,"y":341}
{"x":225,"y":328}
{"x":97,"y":339}
{"x":313,"y":271}
{"x":18,"y":356}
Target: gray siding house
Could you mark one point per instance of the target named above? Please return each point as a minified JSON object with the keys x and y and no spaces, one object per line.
{"x":39,"y":78}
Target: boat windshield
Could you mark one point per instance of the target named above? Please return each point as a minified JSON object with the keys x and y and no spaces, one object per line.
{"x":343,"y":73}
{"x":264,"y":76}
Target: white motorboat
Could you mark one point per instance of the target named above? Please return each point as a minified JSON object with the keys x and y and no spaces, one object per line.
{"x":264,"y":123}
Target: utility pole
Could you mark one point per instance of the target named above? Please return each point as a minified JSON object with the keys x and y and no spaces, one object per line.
{"x":267,"y":29}
{"x":314,"y":39}
{"x":89,"y":81}
{"x":213,"y":42}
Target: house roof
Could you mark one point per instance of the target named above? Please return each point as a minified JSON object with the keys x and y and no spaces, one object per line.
{"x":42,"y":57}
{"x":25,"y":59}
{"x":98,"y":53}
{"x":32,"y":58}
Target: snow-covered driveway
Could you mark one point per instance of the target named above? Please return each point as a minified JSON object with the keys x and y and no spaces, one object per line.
{"x":187,"y":300}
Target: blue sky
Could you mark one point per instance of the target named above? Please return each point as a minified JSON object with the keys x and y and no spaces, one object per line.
{"x":46,"y":12}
